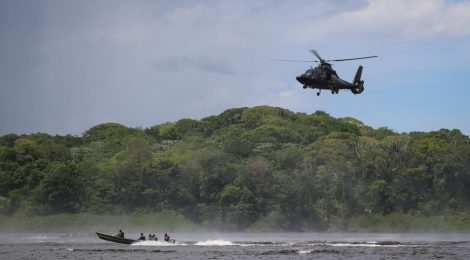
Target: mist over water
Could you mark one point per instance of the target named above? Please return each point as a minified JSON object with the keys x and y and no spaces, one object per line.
{"x":240,"y":246}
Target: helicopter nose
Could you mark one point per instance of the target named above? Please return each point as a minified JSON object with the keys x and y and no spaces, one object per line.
{"x":300,"y":78}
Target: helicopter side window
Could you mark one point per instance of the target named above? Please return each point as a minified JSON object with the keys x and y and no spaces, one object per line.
{"x":316,"y":73}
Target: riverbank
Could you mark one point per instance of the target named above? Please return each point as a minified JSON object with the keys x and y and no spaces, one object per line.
{"x":92,"y":222}
{"x":170,"y":221}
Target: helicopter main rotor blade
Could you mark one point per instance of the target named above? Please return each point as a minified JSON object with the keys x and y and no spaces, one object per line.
{"x":296,"y":60}
{"x":368,"y":57}
{"x":316,"y":54}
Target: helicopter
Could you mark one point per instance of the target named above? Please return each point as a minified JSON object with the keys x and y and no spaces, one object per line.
{"x":325,"y":77}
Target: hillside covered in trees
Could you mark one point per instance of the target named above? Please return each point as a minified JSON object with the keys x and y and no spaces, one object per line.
{"x":261,"y":167}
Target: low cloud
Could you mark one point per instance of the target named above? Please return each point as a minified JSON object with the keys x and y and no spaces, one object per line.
{"x":386,"y":20}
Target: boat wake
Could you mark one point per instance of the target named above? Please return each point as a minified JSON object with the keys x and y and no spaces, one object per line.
{"x":200,"y":243}
{"x":215,"y":243}
{"x":367,"y":244}
{"x":157,"y":243}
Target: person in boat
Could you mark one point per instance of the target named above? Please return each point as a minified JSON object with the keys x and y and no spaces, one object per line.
{"x":150,"y":237}
{"x":120,"y":234}
{"x":167,"y":237}
{"x":155,"y":237}
{"x":142,"y":237}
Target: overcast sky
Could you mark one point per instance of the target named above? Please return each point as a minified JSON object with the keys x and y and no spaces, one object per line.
{"x":66,"y":66}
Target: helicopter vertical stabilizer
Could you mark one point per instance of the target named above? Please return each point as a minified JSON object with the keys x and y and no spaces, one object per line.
{"x":357,"y":78}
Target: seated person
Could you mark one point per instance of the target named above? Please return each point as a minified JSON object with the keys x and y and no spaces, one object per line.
{"x":120,"y":234}
{"x":167,"y":237}
{"x":142,"y":237}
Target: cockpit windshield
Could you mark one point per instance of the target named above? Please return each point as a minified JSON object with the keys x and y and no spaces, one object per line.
{"x":309,"y":73}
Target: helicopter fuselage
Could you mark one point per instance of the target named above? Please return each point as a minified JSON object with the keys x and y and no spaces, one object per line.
{"x":324,"y":77}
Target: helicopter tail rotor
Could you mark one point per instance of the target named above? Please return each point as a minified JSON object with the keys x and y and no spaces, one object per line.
{"x":358,"y":89}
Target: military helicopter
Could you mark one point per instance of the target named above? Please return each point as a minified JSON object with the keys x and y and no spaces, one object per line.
{"x":324,"y":76}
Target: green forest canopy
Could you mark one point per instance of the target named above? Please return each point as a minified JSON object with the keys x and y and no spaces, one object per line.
{"x":260,"y":166}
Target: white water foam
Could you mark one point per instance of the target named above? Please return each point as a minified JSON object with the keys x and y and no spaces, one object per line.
{"x":215,"y":243}
{"x":305,"y":251}
{"x":157,"y":243}
{"x":41,"y":238}
{"x":288,"y":244}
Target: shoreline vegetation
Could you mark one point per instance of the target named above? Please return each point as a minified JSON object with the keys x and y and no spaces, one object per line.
{"x":86,"y":222}
{"x":246,"y":169}
{"x":171,"y":222}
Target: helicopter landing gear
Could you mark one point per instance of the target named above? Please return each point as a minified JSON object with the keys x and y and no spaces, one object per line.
{"x":304,"y":87}
{"x":318,"y":93}
{"x":334,"y":91}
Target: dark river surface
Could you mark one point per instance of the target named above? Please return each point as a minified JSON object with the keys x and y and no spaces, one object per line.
{"x":240,"y":246}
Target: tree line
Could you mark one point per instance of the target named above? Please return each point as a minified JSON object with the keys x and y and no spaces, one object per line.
{"x":262,"y":166}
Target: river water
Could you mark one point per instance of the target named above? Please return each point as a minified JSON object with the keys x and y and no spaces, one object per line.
{"x":240,"y":246}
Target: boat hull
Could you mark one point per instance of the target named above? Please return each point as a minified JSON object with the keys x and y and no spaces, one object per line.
{"x":116,"y":239}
